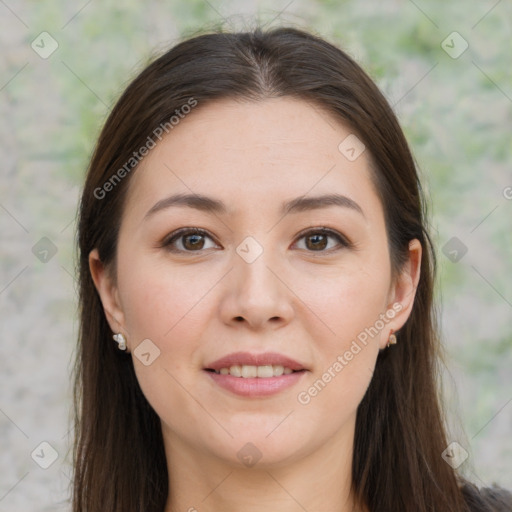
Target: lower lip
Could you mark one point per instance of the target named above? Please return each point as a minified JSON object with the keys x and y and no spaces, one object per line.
{"x":256,"y":387}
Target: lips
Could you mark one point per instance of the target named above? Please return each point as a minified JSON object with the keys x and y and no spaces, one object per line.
{"x":255,"y":375}
{"x":247,"y":359}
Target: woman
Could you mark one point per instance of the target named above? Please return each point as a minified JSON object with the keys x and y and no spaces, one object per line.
{"x":256,"y":285}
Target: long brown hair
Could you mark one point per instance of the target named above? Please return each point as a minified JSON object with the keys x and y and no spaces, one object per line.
{"x":119,"y":457}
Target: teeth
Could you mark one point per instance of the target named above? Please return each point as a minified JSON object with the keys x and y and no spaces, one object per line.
{"x":249,"y":371}
{"x":265,"y":371}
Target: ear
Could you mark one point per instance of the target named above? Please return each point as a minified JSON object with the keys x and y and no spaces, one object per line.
{"x":108,"y":293}
{"x":403,"y":290}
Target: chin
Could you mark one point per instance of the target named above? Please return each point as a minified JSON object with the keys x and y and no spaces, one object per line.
{"x":264,"y":448}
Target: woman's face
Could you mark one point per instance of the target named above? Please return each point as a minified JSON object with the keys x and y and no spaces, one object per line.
{"x":291,"y":259}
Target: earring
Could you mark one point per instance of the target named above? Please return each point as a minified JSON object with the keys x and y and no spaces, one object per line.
{"x":120,"y":339}
{"x":392,"y":339}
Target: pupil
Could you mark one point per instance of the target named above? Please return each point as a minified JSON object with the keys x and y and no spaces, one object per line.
{"x":194,"y":246}
{"x":317,"y":237}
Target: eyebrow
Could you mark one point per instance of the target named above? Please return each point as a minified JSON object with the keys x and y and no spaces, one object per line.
{"x":209,"y":204}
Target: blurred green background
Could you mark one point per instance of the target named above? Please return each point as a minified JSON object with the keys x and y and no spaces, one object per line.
{"x":456,"y":111}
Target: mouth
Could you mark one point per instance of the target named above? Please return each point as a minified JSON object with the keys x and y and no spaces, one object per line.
{"x":255,"y":375}
{"x":247,"y":365}
{"x":252,"y":371}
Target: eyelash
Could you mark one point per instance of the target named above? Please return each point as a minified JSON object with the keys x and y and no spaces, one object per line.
{"x":180,"y":233}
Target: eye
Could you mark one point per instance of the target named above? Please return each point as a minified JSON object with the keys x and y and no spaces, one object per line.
{"x":193,"y":240}
{"x":317,"y":240}
{"x":189,"y":240}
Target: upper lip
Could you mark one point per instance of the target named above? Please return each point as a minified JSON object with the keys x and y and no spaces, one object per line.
{"x":245,"y":358}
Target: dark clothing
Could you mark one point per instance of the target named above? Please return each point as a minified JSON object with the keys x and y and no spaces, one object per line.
{"x":488,"y":499}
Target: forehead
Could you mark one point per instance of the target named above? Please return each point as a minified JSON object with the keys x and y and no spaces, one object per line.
{"x":236,"y":149}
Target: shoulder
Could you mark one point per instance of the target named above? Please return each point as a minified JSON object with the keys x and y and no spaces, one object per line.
{"x":487,"y":499}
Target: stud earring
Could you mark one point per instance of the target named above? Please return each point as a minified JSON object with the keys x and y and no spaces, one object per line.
{"x":392,"y":339}
{"x":121,"y":341}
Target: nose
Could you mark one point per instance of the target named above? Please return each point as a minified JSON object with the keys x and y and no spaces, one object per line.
{"x":256,"y":294}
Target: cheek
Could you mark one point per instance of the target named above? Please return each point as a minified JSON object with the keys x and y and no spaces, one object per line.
{"x":347,"y":303}
{"x":348,"y":350}
{"x":331,"y":398}
{"x":158,"y":303}
{"x":350,"y":306}
{"x":168,"y":308}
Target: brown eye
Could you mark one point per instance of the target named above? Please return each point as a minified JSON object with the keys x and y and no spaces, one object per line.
{"x":318,"y":240}
{"x":187,"y":240}
{"x":193,"y":242}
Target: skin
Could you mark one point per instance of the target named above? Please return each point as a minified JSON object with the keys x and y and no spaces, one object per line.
{"x":300,"y":297}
